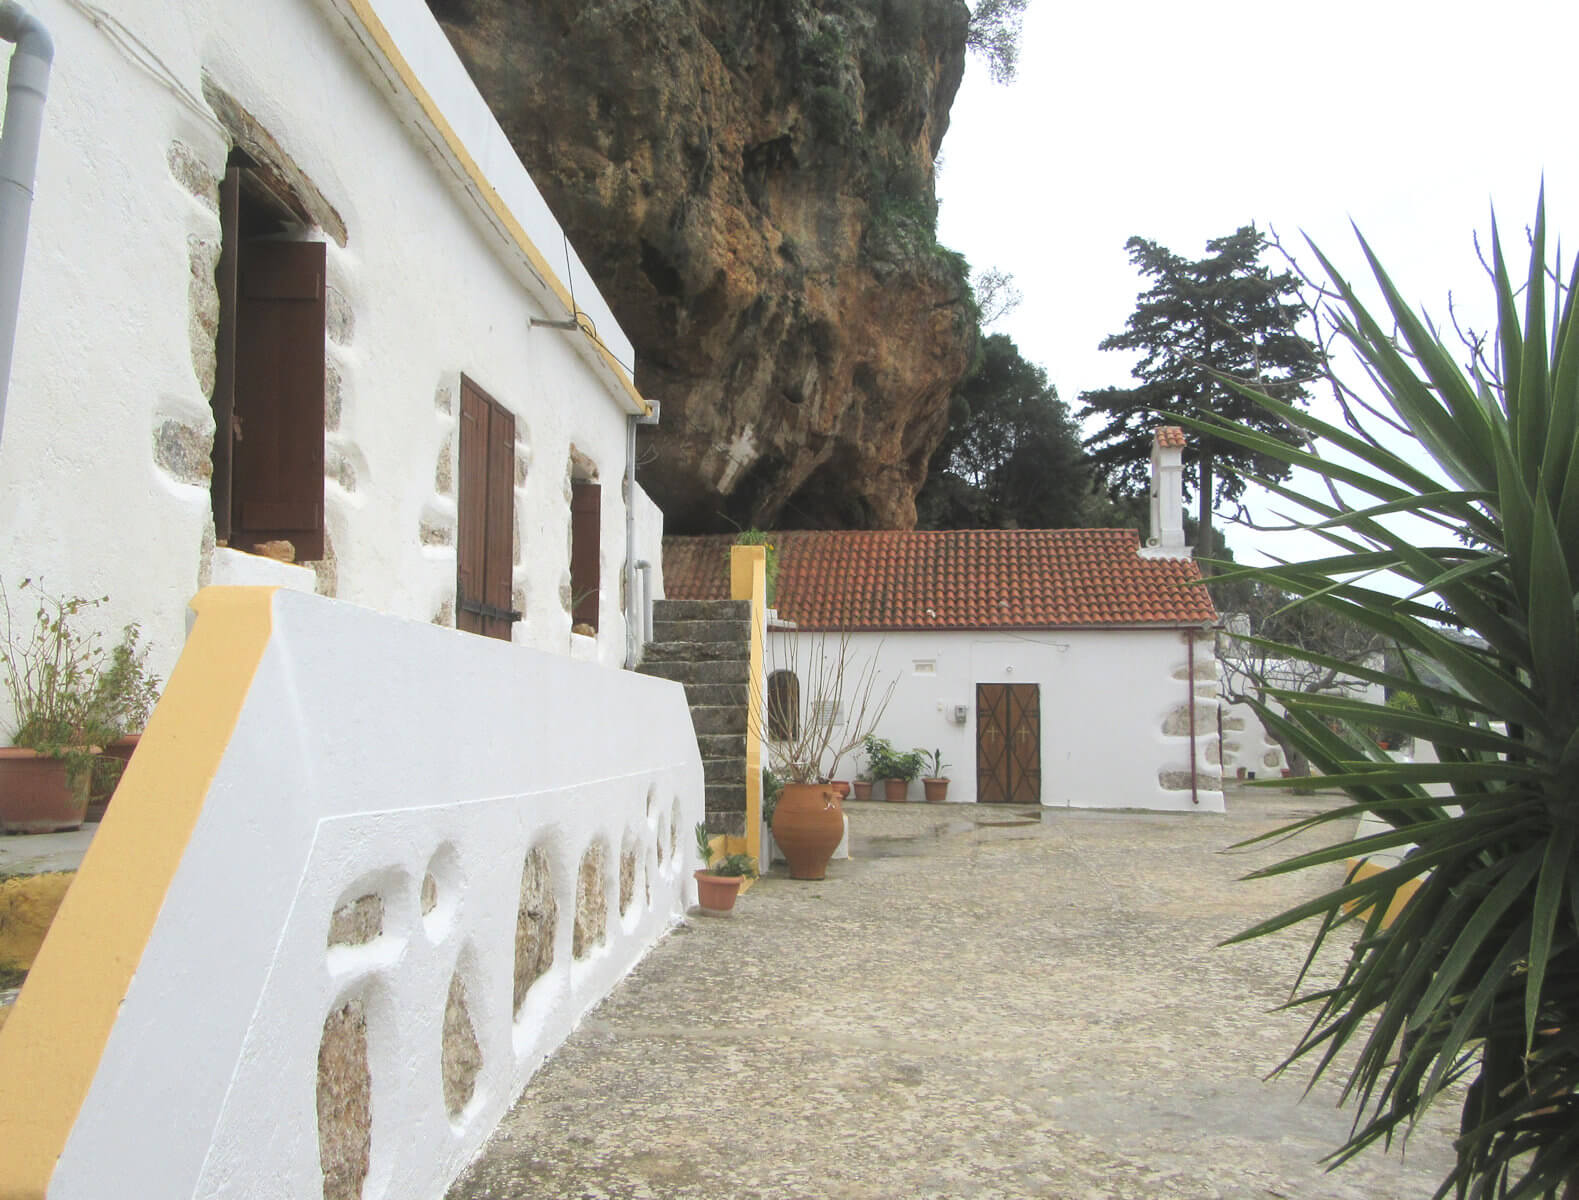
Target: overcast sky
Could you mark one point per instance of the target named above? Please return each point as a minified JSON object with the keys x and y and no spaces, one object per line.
{"x":1181,"y":122}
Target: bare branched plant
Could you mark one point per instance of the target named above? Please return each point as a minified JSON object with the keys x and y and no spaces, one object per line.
{"x":832,"y":708}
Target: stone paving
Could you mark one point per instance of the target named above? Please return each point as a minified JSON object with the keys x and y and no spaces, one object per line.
{"x":980,"y":1003}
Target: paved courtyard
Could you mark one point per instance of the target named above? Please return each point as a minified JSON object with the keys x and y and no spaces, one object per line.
{"x":981,"y":1003}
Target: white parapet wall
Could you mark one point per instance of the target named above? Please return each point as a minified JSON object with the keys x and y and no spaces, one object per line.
{"x":362,"y":876}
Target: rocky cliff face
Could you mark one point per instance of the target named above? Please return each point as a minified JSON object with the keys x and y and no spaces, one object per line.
{"x":750,"y":182}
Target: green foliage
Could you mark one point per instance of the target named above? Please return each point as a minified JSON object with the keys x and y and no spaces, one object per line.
{"x":1011,"y":458}
{"x":1476,"y":980}
{"x":831,"y":113}
{"x":772,"y":785}
{"x":733,"y":865}
{"x":932,"y":762}
{"x":704,"y":844}
{"x":884,"y":762}
{"x":1203,"y":323}
{"x":70,"y":696}
{"x":994,"y":33}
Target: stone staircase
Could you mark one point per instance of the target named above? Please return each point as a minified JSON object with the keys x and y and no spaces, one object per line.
{"x":706,"y":645}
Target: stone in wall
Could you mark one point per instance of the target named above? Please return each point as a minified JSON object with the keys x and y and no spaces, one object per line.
{"x":429,"y":899}
{"x":358,"y":921}
{"x":338,"y":468}
{"x":445,"y":615}
{"x":1177,"y":722}
{"x":189,"y":170}
{"x":345,"y":1103}
{"x":184,"y":452}
{"x":436,"y":531}
{"x":592,"y":903}
{"x":327,"y":568}
{"x":333,"y":400}
{"x":1272,"y":758}
{"x":339,"y":319}
{"x":203,"y":307}
{"x":627,"y":879}
{"x":444,"y":470}
{"x":537,"y":915}
{"x":461,"y":1055}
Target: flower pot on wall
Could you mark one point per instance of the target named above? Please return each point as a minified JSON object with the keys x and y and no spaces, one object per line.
{"x":863,"y":789}
{"x":716,"y":894}
{"x":894,"y":790}
{"x":100,"y":796}
{"x":37,"y":794}
{"x":842,"y":788}
{"x":936,"y":790}
{"x":808,"y":825}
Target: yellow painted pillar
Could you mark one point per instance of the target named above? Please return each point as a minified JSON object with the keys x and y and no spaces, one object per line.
{"x":748,"y":581}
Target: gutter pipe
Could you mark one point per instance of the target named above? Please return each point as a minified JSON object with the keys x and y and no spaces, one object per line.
{"x":27,"y":82}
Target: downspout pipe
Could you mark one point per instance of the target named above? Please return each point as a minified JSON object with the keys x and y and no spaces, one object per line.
{"x":632,"y":647}
{"x":645,"y":568}
{"x":26,"y":85}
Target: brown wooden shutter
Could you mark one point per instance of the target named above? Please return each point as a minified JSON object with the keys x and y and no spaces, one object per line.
{"x":224,"y":398}
{"x":586,"y":529}
{"x":277,"y":482}
{"x":485,"y":540}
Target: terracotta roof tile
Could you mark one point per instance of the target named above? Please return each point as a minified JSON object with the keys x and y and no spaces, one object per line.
{"x":952,"y":579}
{"x":1170,"y":436}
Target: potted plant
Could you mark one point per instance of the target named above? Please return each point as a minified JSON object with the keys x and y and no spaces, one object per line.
{"x":69,"y":699}
{"x":896,"y":770}
{"x":124,"y":696}
{"x":934,"y":783}
{"x":863,"y":786}
{"x":718,"y":883}
{"x":843,"y":703}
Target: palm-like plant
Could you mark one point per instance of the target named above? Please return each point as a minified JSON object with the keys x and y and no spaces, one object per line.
{"x":1475,"y":982}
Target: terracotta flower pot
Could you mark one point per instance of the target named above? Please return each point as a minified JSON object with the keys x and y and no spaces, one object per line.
{"x":894,"y":790}
{"x":863,"y":789}
{"x":36,"y":793}
{"x":936,"y":790}
{"x":842,"y":787}
{"x":121,"y":748}
{"x":716,"y":894}
{"x":808,"y":826}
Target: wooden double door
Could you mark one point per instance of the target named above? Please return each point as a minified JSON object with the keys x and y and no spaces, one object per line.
{"x":1008,"y":743}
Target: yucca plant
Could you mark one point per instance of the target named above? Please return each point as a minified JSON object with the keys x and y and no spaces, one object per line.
{"x":1470,"y":996}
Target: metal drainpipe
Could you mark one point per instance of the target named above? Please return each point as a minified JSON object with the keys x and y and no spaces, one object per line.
{"x":631,"y":648}
{"x":1195,"y":791}
{"x":26,"y":85}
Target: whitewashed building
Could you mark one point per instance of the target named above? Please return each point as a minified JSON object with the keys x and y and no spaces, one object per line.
{"x":293,"y":312}
{"x":1060,"y":667}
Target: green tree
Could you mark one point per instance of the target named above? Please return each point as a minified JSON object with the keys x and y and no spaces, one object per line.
{"x":1476,"y":979}
{"x":1012,"y":456}
{"x":1223,"y":315}
{"x":994,"y":33}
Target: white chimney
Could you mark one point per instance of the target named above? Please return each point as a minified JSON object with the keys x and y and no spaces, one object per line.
{"x":1167,"y":495}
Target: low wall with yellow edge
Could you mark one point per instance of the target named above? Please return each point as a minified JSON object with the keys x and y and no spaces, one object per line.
{"x":361,"y":877}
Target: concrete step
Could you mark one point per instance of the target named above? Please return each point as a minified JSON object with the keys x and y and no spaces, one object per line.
{"x":724,"y":770}
{"x":711,"y":719}
{"x":701,"y":610}
{"x":729,"y":746}
{"x":702,"y":631}
{"x":731,"y":671}
{"x":696,"y":652}
{"x":726,"y":797}
{"x":703,"y":695}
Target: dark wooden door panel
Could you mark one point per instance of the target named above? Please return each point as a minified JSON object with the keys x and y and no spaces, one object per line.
{"x":1008,"y":743}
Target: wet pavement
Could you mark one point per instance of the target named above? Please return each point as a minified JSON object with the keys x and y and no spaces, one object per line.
{"x":980,"y":1003}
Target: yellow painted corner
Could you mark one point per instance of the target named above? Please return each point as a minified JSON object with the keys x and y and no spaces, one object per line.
{"x":51,"y":1045}
{"x":380,"y":37}
{"x":748,"y":580}
{"x":1362,"y":868}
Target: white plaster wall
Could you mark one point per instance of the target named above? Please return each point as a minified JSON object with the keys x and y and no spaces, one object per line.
{"x":106,"y":335}
{"x":1105,"y":696}
{"x":370,"y":752}
{"x":1247,"y":744}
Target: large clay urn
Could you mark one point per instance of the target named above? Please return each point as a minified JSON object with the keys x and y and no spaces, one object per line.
{"x":808,"y":826}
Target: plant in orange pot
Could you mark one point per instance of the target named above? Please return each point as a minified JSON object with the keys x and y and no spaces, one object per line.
{"x":934,"y":783}
{"x":63,"y":706}
{"x":843,"y":702}
{"x":718,"y":882}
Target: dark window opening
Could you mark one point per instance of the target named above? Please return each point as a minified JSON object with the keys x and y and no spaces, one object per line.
{"x":268,"y":396}
{"x":586,"y":523}
{"x":485,"y":537}
{"x":783,"y":706}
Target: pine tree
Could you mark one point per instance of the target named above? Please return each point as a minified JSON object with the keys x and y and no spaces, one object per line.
{"x":1225,"y":313}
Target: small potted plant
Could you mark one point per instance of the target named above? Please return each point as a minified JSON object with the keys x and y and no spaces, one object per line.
{"x":896,"y":770}
{"x":862,"y":786}
{"x":69,"y":699}
{"x":718,"y":883}
{"x":934,"y":783}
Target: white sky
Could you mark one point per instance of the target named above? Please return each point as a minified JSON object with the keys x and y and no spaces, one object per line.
{"x":1180,"y":122}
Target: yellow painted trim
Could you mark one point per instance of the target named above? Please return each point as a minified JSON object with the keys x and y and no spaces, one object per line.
{"x":379,"y":35}
{"x":1364,"y":868}
{"x":748,"y":580}
{"x":51,"y":1046}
